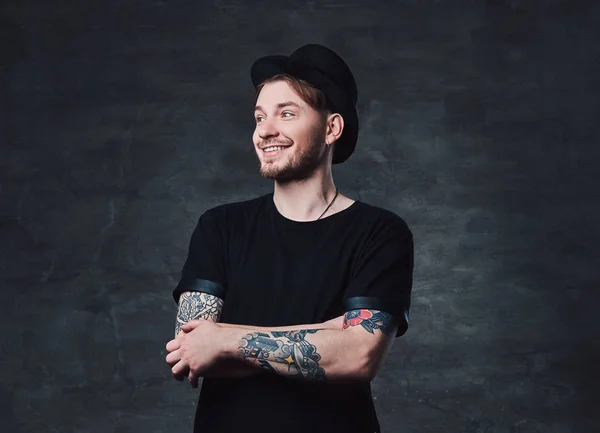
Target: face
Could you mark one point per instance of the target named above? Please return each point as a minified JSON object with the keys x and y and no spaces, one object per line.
{"x":284,"y":119}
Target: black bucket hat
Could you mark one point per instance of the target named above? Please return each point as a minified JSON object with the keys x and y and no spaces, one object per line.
{"x":327,"y":71}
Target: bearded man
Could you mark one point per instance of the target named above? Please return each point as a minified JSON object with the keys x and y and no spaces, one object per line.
{"x":288,"y":303}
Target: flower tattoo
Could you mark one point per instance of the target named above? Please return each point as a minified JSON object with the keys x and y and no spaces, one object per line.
{"x":370,"y":320}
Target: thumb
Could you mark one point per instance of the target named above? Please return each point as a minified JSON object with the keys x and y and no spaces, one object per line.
{"x":192,"y":324}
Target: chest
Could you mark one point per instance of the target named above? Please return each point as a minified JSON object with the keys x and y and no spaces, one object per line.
{"x":278,"y":279}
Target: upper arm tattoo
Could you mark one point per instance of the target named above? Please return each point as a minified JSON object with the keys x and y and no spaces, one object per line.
{"x":198,"y":305}
{"x":370,"y":320}
{"x":287,"y":348}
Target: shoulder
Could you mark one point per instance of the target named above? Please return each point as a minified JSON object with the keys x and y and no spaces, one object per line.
{"x":237,"y":207}
{"x":227,"y":212}
{"x":381,"y":221}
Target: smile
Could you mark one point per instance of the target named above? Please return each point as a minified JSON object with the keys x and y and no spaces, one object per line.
{"x":274,"y":149}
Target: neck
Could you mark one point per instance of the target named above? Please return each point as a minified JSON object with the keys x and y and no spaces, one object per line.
{"x":305,"y":200}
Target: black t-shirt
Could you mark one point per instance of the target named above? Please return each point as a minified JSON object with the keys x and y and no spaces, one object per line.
{"x":273,"y":271}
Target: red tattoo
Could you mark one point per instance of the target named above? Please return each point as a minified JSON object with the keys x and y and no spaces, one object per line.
{"x":355,"y":317}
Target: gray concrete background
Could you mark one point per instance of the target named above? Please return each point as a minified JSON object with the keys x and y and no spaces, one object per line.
{"x":122,"y":121}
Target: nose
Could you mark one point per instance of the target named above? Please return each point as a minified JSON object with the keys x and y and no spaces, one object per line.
{"x":267,"y":129}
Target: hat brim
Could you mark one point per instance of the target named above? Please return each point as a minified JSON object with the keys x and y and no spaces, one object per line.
{"x":269,"y":66}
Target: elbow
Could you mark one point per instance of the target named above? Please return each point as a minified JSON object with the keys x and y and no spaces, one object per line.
{"x":367,"y":367}
{"x":369,"y":372}
{"x":365,"y":372}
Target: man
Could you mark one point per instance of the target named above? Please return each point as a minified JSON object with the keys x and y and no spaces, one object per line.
{"x":288,"y":303}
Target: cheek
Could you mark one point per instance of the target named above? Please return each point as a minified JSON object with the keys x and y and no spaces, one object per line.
{"x":255,"y":137}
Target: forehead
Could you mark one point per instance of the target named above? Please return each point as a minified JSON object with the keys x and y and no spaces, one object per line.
{"x":275,"y":93}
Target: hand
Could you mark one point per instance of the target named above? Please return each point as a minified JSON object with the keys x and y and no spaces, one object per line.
{"x":195,"y":350}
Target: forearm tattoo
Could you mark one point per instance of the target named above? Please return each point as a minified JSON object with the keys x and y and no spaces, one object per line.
{"x":198,"y":305}
{"x":288,"y":348}
{"x":370,"y":320}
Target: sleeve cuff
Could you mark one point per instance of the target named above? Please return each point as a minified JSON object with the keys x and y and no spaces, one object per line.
{"x":399,"y":312}
{"x":198,"y":285}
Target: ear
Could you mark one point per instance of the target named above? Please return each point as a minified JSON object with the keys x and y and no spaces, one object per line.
{"x":335,"y":126}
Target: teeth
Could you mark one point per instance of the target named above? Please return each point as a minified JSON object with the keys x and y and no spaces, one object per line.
{"x":270,"y":149}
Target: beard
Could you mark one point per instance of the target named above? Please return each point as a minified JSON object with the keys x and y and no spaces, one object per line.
{"x":300,"y":165}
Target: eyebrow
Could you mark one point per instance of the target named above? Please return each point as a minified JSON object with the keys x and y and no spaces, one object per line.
{"x":280,"y":105}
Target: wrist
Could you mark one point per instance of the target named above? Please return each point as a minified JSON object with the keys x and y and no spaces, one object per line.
{"x":231,"y":341}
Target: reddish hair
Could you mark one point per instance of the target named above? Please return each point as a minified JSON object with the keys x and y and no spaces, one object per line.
{"x":307,"y":92}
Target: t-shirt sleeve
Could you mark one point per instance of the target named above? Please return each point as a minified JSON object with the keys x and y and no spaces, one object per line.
{"x":204,"y":267}
{"x":383,"y":275}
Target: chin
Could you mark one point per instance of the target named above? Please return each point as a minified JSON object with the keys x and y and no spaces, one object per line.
{"x":273,"y":173}
{"x":287,"y":173}
{"x":274,"y":169}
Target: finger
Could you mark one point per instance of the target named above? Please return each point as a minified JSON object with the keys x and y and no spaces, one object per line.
{"x":193,"y":379}
{"x":173,"y":345}
{"x":180,"y":371}
{"x":192,"y":324}
{"x":173,"y":358}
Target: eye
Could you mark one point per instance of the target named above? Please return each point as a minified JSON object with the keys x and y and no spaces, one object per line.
{"x":258,"y":118}
{"x":287,"y":112}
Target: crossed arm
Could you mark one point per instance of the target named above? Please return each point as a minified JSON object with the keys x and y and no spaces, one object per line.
{"x":347,"y":348}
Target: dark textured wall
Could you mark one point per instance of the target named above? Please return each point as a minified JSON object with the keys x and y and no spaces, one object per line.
{"x":122,"y":121}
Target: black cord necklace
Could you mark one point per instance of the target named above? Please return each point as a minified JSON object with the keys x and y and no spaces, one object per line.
{"x":336,"y":193}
